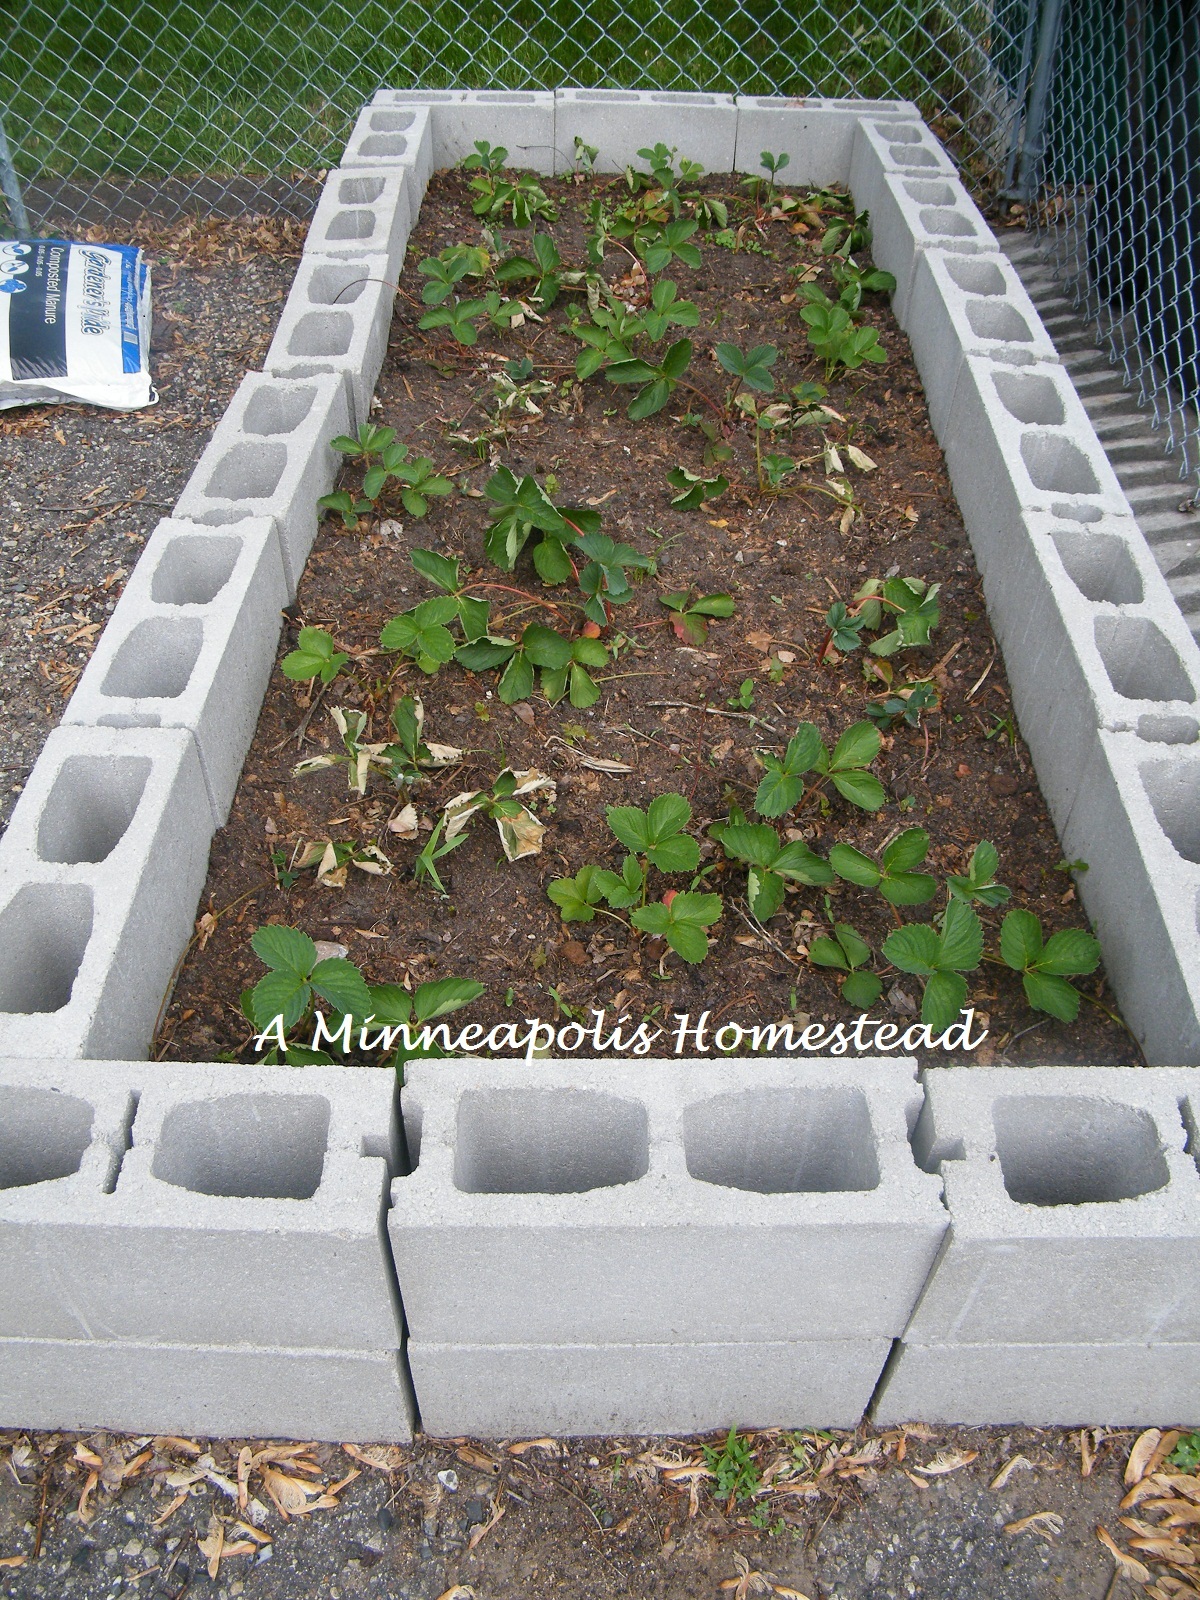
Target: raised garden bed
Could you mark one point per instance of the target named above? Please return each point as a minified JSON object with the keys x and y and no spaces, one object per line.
{"x":683,"y":705}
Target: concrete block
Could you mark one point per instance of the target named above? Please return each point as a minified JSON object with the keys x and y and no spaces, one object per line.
{"x":620,"y":122}
{"x":1092,"y":638}
{"x":968,"y":304}
{"x":615,"y":1202}
{"x":894,"y":144}
{"x":365,"y":211}
{"x":1018,"y":440}
{"x":336,"y":319}
{"x":205,"y":1391}
{"x":910,"y":214}
{"x":506,"y":1391}
{"x":522,"y":120}
{"x":269,"y":456}
{"x":191,"y":644}
{"x":1136,"y":821}
{"x":1074,"y":1209}
{"x":817,"y":135}
{"x":394,"y":136}
{"x":1065,"y":1385}
{"x":248,"y":1211}
{"x":100,"y":871}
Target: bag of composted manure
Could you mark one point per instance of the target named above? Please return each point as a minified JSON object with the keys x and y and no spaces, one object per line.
{"x":74,"y":324}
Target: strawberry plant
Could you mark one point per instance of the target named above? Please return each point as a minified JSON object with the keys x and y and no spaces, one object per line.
{"x":1046,"y":966}
{"x":782,"y":785}
{"x":523,"y":506}
{"x":939,"y":956}
{"x":750,"y":368}
{"x":538,"y":646}
{"x":694,"y":490}
{"x":575,"y":680}
{"x":892,"y":875}
{"x":772,"y":864}
{"x":603,"y":577}
{"x":314,"y":657}
{"x":507,"y":803}
{"x":298,"y":976}
{"x":690,"y":618}
{"x":421,"y":633}
{"x":979,"y":881}
{"x":846,"y":952}
{"x":658,"y":379}
{"x":446,"y":573}
{"x":838,"y":342}
{"x":450,"y":267}
{"x":681,"y":919}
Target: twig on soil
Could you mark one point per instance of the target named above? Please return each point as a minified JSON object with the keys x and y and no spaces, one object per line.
{"x":757,"y":927}
{"x":713,"y":711}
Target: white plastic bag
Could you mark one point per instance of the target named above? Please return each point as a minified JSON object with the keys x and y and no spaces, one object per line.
{"x":74,"y":324}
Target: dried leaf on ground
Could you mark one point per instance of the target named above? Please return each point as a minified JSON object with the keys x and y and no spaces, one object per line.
{"x":947,"y":1461}
{"x":212,"y":1546}
{"x":484,"y":1528}
{"x":1015,"y":1464}
{"x":1127,"y":1565}
{"x":1144,"y":1447}
{"x":460,"y":1591}
{"x":381,"y":1457}
{"x":1045,"y":1523}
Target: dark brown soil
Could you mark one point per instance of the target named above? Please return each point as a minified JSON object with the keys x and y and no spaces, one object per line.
{"x":665,"y":709}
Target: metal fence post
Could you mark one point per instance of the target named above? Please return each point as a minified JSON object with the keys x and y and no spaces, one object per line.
{"x":12,"y":189}
{"x":1033,"y":140}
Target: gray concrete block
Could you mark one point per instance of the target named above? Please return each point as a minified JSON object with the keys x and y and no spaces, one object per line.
{"x":976,"y":304}
{"x":817,"y":135}
{"x":894,"y":144}
{"x":1065,"y":1385}
{"x":336,"y":319}
{"x":583,"y":1202}
{"x":100,"y":871}
{"x":1134,"y":821}
{"x":522,"y":120}
{"x":365,"y":211}
{"x":1092,"y":638}
{"x":270,"y":456}
{"x":1074,"y":1209}
{"x":502,"y":1391}
{"x":248,"y":1211}
{"x":394,"y":136}
{"x":911,"y":214}
{"x":205,"y":1391}
{"x":620,"y":122}
{"x":191,"y":644}
{"x":1018,"y":439}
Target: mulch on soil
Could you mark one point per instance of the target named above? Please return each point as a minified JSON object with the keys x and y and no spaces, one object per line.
{"x":81,"y":488}
{"x":668,"y":711}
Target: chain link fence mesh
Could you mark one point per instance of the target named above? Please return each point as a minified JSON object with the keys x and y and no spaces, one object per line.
{"x":1118,"y":209}
{"x":171,"y":106}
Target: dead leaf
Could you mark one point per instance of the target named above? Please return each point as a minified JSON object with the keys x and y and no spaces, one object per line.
{"x":290,"y":1495}
{"x":521,"y":835}
{"x":1126,"y":1565}
{"x":478,"y":1459}
{"x":460,"y":1591}
{"x":598,"y":764}
{"x":212,"y":1545}
{"x":1144,"y":1447}
{"x":1045,"y":1523}
{"x":245,"y":1459}
{"x":13,"y":1561}
{"x":759,"y":641}
{"x":788,"y":1594}
{"x":165,"y":1516}
{"x":947,"y":1461}
{"x":381,"y":1457}
{"x":1016,"y":1464}
{"x":1161,"y":1549}
{"x":786,"y":656}
{"x":484,"y":1528}
{"x":205,"y":928}
{"x":524,"y":1446}
{"x":404,"y":823}
{"x":720,"y":751}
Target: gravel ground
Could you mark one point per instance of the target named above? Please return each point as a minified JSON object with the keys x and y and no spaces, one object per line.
{"x":82,"y":488}
{"x":582,"y":1520}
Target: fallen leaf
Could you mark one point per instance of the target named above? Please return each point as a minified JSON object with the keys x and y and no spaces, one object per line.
{"x":165,"y":1516}
{"x":720,"y":751}
{"x":1016,"y":1464}
{"x":404,"y":823}
{"x":291,"y":1495}
{"x":1045,"y":1523}
{"x":524,"y":1446}
{"x":484,"y":1528}
{"x":1144,"y":1447}
{"x":13,"y":1561}
{"x":460,"y":1591}
{"x":521,"y":835}
{"x":1126,"y":1565}
{"x":947,"y":1461}
{"x":212,"y":1545}
{"x":381,"y":1457}
{"x":759,"y":641}
{"x":1165,"y":1550}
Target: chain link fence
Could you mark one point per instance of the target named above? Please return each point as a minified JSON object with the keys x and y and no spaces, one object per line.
{"x":1118,"y":205}
{"x":171,"y":106}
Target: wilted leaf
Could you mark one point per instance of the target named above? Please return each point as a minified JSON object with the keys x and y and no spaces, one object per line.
{"x":1127,"y":1565}
{"x":212,"y":1545}
{"x":404,"y":823}
{"x":1144,"y":1447}
{"x":1045,"y":1523}
{"x":1016,"y":1464}
{"x":947,"y":1461}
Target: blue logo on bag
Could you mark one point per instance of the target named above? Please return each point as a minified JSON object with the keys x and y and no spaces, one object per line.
{"x":12,"y":266}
